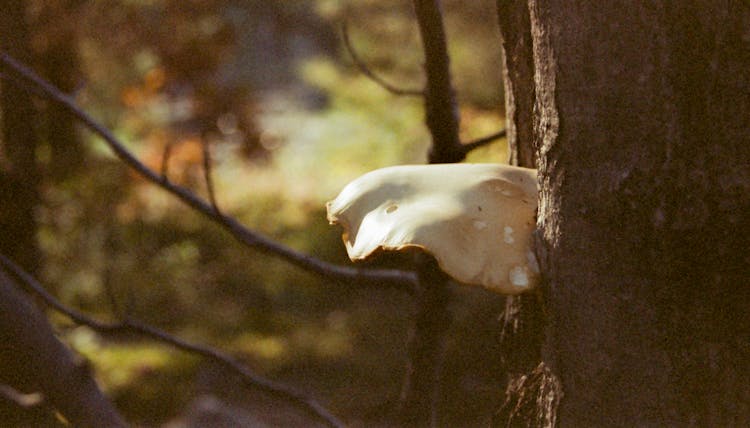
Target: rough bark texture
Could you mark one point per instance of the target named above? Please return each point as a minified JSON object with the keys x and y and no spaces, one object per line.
{"x":533,"y":391}
{"x":643,"y":142}
{"x":518,"y":66}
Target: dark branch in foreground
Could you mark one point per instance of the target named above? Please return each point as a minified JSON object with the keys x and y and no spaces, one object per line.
{"x":34,"y":359}
{"x":404,"y":280}
{"x":131,"y":326}
{"x":369,"y":73}
{"x":421,"y":387}
{"x":481,"y":142}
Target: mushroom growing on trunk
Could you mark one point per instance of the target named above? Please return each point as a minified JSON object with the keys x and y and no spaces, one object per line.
{"x":476,"y":220}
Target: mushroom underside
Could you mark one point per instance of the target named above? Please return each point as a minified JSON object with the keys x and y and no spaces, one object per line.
{"x":476,"y":220}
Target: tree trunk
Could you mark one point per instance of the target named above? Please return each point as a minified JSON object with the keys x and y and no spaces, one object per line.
{"x":34,"y":360}
{"x":18,"y":169}
{"x":642,"y":139}
{"x":421,"y":391}
{"x":518,"y":72}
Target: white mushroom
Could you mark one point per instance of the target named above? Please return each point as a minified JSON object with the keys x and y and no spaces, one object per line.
{"x":475,"y":219}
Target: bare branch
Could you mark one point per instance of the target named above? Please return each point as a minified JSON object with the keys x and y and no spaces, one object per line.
{"x":369,"y":73}
{"x":480,"y":142}
{"x":207,"y":175}
{"x":421,"y":386}
{"x":165,"y":160}
{"x":404,"y":280}
{"x":36,"y":360}
{"x":131,"y":326}
{"x":441,"y":111}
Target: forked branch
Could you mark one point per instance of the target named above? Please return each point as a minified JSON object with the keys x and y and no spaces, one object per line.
{"x":371,"y":74}
{"x":131,"y":326}
{"x":442,"y":116}
{"x":383,"y":277}
{"x":34,"y":359}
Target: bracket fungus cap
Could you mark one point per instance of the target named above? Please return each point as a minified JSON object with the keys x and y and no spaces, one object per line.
{"x":475,"y":219}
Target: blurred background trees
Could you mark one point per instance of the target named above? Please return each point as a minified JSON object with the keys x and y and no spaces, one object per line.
{"x":269,"y":88}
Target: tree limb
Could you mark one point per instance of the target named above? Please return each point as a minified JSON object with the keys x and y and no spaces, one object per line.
{"x":131,"y":326}
{"x":207,"y":176}
{"x":368,"y":72}
{"x":420,"y":393}
{"x":404,"y":280}
{"x":441,"y":111}
{"x":166,"y":154}
{"x":440,"y":105}
{"x":34,"y":359}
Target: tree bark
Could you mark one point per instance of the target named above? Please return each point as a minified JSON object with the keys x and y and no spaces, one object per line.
{"x":518,"y":67}
{"x":533,"y":391}
{"x":642,"y":137}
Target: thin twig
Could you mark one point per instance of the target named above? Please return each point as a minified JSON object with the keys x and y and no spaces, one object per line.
{"x":131,"y":326}
{"x":404,"y":280}
{"x":207,"y":176}
{"x":165,"y":160}
{"x":369,"y":73}
{"x":467,"y":147}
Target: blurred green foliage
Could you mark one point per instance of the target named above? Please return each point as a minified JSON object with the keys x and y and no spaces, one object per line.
{"x":290,"y":120}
